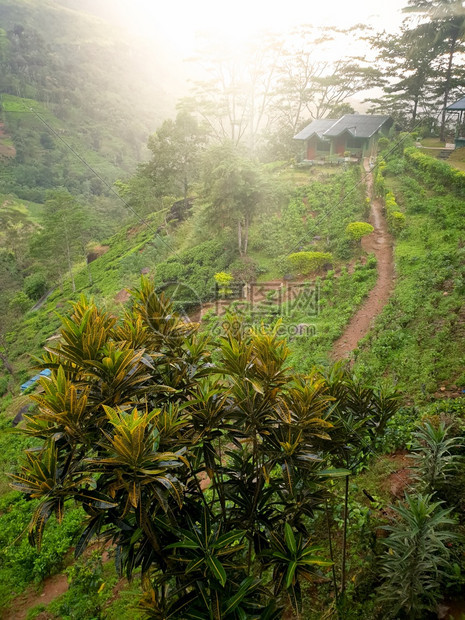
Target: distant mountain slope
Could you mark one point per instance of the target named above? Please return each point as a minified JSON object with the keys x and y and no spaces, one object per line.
{"x":106,"y":89}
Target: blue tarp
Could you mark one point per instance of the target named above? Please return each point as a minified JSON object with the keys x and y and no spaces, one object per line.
{"x":43,"y":373}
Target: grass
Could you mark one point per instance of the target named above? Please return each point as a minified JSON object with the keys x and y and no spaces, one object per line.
{"x":457,"y":159}
{"x":416,"y":341}
{"x":432,"y":142}
{"x":312,"y":320}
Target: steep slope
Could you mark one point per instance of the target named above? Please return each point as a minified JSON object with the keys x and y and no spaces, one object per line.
{"x":105,"y":90}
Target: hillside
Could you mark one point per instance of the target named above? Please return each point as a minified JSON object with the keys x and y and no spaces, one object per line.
{"x":98,"y":88}
{"x":415,"y":342}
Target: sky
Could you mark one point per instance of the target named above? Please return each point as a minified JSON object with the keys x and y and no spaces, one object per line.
{"x":182,"y":21}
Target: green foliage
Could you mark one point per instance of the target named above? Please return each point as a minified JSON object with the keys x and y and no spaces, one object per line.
{"x":434,"y":458}
{"x":379,"y":184}
{"x":417,"y":557}
{"x":195,"y":269}
{"x":85,"y":595}
{"x":106,"y":119}
{"x":321,"y":208}
{"x":19,"y":562}
{"x":223,"y":280}
{"x":356,"y":230}
{"x":416,"y":339}
{"x":233,"y":189}
{"x":35,"y":285}
{"x":20,"y":302}
{"x":305,"y":263}
{"x":176,"y":150}
{"x":395,"y":218}
{"x":436,"y":172}
{"x":136,"y":418}
{"x":3,"y":385}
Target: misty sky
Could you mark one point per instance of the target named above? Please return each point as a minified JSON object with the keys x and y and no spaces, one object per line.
{"x":239,"y":20}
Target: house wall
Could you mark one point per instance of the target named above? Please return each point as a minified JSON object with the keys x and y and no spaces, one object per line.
{"x":311,"y":148}
{"x":316,"y":148}
{"x":340,"y":145}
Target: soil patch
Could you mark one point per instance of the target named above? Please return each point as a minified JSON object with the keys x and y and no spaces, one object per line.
{"x":52,"y":588}
{"x":122,"y":297}
{"x":399,"y":481}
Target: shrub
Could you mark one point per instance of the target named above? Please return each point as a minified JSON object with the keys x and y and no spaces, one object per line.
{"x":395,"y":218}
{"x":245,"y":269}
{"x":379,"y":184}
{"x":396,"y":221}
{"x":3,"y":385}
{"x":20,"y":302}
{"x":223,"y":280}
{"x":383,"y":143}
{"x":356,"y":230}
{"x":434,"y":461}
{"x":417,"y":557}
{"x":308,"y":262}
{"x":436,"y":172}
{"x":136,"y":409}
{"x":35,"y":285}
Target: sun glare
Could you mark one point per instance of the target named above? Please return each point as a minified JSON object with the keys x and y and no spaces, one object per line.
{"x":183,"y":22}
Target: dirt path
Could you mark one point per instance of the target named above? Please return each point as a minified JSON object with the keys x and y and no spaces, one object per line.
{"x":52,"y":588}
{"x":380,"y":243}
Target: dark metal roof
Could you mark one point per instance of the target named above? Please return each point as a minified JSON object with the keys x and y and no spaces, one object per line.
{"x":358,"y":125}
{"x":458,"y":105}
{"x":317,"y":127}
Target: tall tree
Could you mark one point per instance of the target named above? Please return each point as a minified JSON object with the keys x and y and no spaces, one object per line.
{"x":65,"y":229}
{"x":233,"y":189}
{"x":175,"y":149}
{"x":234,"y":97}
{"x":446,"y":20}
{"x":407,"y":60}
{"x":311,"y":83}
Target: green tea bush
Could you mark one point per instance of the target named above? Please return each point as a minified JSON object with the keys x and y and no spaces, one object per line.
{"x":395,"y":218}
{"x":3,"y":385}
{"x":20,"y":302}
{"x":379,"y":183}
{"x":195,"y":268}
{"x":356,"y":230}
{"x":87,"y":590}
{"x":20,"y":563}
{"x":35,"y":285}
{"x":435,"y":172}
{"x":396,"y":221}
{"x":308,"y":262}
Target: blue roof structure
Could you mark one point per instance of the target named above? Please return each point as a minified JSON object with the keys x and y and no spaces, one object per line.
{"x":458,"y":106}
{"x":43,"y":373}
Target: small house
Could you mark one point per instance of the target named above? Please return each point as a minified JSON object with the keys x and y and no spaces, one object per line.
{"x":312,"y":136}
{"x":458,"y":107}
{"x":356,"y":134}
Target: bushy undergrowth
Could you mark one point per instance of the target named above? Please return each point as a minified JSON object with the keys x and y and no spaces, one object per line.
{"x":312,"y":320}
{"x":435,"y":172}
{"x":417,"y":338}
{"x":315,"y":219}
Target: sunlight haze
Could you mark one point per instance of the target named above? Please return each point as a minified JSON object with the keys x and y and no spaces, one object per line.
{"x":183,"y":22}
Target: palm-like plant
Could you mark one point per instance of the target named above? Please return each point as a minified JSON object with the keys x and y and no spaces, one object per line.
{"x":136,"y":413}
{"x":417,"y":557}
{"x":293,"y":558}
{"x":434,"y":460}
{"x":133,"y":460}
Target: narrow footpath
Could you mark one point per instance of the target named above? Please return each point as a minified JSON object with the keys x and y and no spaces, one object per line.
{"x":381,"y":244}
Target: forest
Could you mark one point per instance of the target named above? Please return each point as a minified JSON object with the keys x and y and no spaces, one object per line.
{"x":231,"y":375}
